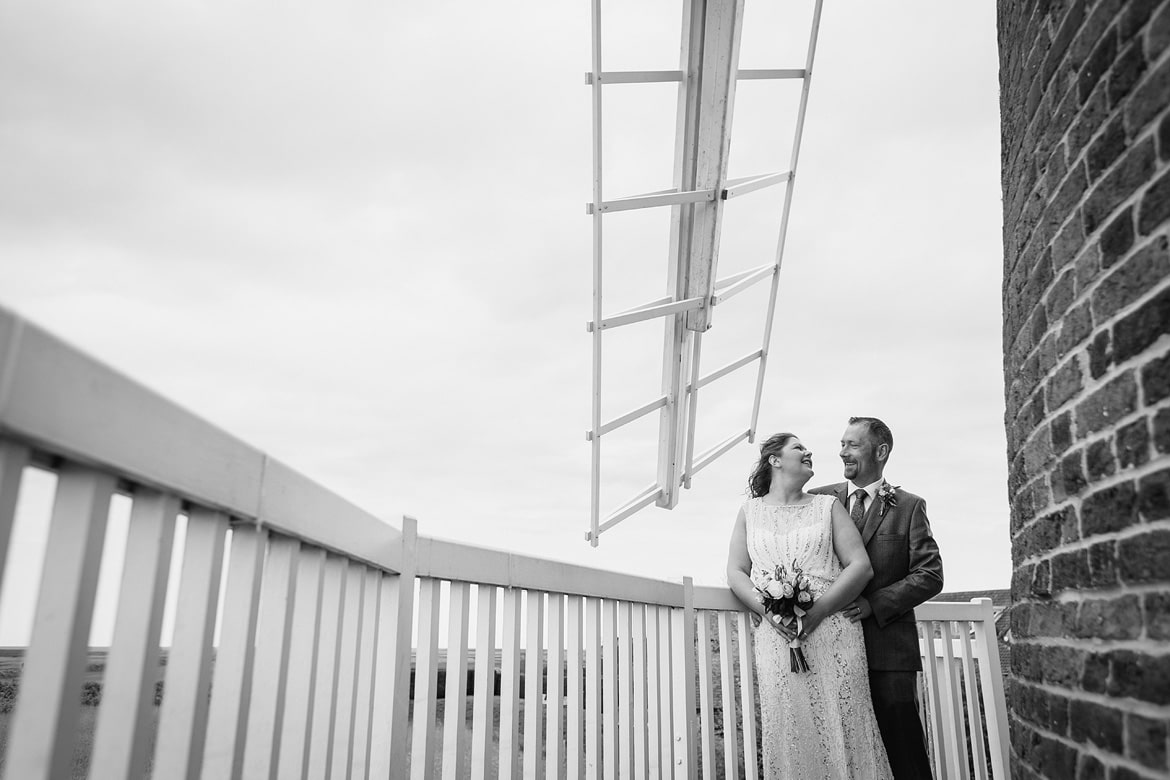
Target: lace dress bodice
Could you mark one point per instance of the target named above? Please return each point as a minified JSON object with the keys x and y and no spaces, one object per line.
{"x":788,"y":534}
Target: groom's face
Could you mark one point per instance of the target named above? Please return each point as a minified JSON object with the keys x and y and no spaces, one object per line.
{"x":859,"y":455}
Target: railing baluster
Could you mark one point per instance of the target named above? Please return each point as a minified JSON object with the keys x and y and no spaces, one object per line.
{"x":41,"y":740}
{"x":685,"y":730}
{"x":363,"y":700}
{"x":727,"y":688}
{"x":426,"y":672}
{"x":706,"y":708}
{"x":347,"y":654}
{"x":555,"y":688}
{"x":533,"y":704}
{"x":510,"y":685}
{"x":126,"y":715}
{"x":574,"y":684}
{"x":974,"y":710}
{"x":325,"y":693}
{"x":653,"y":671}
{"x":231,"y":685}
{"x":625,"y":685}
{"x":638,"y":659}
{"x":665,"y":691}
{"x":455,"y":695}
{"x":273,"y":628}
{"x":934,"y":704}
{"x":302,"y":666}
{"x":483,"y":701}
{"x":609,"y":684}
{"x":593,"y":746}
{"x":13,"y":459}
{"x":953,"y":706}
{"x":994,"y":705}
{"x":183,"y":714}
{"x":747,"y":697}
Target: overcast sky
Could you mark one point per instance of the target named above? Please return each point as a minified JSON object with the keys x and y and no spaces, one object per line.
{"x":354,"y":235}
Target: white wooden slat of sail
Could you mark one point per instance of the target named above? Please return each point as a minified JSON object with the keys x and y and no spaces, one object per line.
{"x":13,"y":459}
{"x":342,"y":737}
{"x":455,"y":694}
{"x":747,"y":697}
{"x":930,"y":678}
{"x":533,"y":716}
{"x":638,"y":659}
{"x":41,"y":740}
{"x":231,"y":685}
{"x":625,"y":691}
{"x":273,"y":629}
{"x":293,"y":756}
{"x":183,"y":713}
{"x":426,"y":678}
{"x":555,"y":688}
{"x":953,"y":712}
{"x":510,"y":684}
{"x":363,"y":700}
{"x":574,"y":689}
{"x":483,"y":701}
{"x":126,"y":716}
{"x":609,"y":704}
{"x":974,"y":710}
{"x":665,"y":691}
{"x":706,"y":706}
{"x":727,"y":679}
{"x":325,"y":691}
{"x":593,"y":758}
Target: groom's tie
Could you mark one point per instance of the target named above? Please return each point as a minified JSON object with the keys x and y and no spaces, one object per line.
{"x":857,"y":514}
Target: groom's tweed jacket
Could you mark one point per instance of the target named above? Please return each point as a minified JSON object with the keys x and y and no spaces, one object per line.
{"x":907,"y":570}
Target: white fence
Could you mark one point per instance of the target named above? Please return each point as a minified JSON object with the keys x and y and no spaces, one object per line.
{"x":348,"y":648}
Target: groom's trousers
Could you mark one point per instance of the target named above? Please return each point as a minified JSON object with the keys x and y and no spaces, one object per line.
{"x":895,"y":703}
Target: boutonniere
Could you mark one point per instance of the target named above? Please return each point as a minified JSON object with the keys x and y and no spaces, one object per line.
{"x":886,"y":496}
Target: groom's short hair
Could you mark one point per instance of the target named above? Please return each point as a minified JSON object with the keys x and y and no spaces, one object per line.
{"x":877,"y":429}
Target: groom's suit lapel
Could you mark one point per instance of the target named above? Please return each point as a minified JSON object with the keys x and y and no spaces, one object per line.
{"x":873,"y":519}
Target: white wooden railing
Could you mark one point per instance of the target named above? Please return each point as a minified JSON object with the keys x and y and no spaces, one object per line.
{"x":327,"y":610}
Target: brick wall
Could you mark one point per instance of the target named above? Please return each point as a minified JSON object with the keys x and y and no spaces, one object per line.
{"x":1084,"y":90}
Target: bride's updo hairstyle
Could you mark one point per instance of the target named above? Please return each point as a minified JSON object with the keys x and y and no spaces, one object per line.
{"x":761,"y":478}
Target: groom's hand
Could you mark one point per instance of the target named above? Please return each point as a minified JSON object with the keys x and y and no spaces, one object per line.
{"x":859,"y":610}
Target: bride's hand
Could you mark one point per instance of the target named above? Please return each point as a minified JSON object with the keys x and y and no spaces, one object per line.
{"x":809,"y":624}
{"x":774,"y":621}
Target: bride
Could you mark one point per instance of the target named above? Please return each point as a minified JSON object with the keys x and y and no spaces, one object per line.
{"x":817,"y":723}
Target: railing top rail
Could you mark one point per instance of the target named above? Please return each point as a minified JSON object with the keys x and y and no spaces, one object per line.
{"x":68,"y":404}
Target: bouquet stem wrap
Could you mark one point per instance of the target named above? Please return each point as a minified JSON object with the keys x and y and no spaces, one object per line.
{"x":797,"y":661}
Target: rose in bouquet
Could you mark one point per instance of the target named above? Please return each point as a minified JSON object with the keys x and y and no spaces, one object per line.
{"x":786,"y":594}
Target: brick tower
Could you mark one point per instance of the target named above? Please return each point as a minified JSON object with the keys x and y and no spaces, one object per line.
{"x":1084,"y":96}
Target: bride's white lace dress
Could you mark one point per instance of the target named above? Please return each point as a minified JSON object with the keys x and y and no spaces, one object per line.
{"x":816,"y":724}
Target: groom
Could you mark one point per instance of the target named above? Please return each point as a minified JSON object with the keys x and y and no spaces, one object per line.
{"x":907,"y":570}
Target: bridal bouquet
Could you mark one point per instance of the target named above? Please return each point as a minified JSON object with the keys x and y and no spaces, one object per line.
{"x":786,"y":595}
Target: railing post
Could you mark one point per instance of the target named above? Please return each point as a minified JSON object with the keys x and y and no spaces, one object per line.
{"x":686,"y":735}
{"x":392,"y":673}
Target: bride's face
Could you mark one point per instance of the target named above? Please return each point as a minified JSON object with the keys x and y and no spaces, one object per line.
{"x":794,"y":458}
